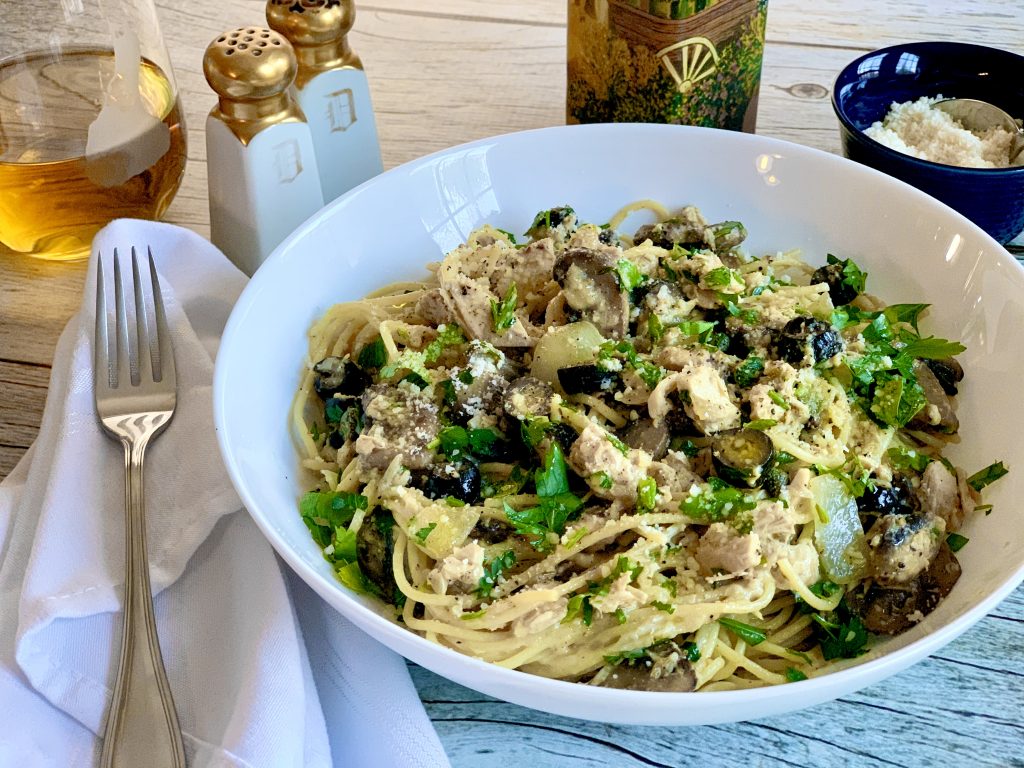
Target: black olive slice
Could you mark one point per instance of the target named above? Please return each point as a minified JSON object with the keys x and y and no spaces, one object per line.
{"x":742,"y":456}
{"x":881,"y":500}
{"x":564,"y":435}
{"x":586,"y":379}
{"x":839,"y":290}
{"x":491,"y":531}
{"x":462,"y":483}
{"x":337,"y":376}
{"x":948,"y":372}
{"x":805,"y":338}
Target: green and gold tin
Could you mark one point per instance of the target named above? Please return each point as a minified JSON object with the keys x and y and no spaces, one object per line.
{"x":691,"y":62}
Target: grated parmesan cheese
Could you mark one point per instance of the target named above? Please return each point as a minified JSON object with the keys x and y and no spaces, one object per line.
{"x":918,"y":129}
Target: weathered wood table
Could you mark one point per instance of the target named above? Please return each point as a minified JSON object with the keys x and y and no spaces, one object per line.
{"x":454,"y":70}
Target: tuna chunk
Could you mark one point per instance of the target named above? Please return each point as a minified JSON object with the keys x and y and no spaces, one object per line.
{"x":710,"y":406}
{"x":398,"y":422}
{"x":940,"y":495}
{"x":723,"y":551}
{"x":621,"y":595}
{"x":473,"y":275}
{"x":594,"y":452}
{"x":459,"y":572}
{"x":544,"y":616}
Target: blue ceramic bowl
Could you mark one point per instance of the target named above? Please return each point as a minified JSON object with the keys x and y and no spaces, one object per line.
{"x":993,"y":198}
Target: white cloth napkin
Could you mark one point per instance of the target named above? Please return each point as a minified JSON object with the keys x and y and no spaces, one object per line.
{"x":250,"y":691}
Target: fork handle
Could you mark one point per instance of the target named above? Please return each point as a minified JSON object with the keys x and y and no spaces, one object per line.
{"x":142,"y":724}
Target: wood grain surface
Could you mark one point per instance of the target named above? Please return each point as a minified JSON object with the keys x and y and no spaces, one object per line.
{"x":456,"y":70}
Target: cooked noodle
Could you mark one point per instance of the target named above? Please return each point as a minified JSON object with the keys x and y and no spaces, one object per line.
{"x":580,"y":557}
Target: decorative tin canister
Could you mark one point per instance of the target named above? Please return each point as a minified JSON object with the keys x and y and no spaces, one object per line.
{"x":693,"y":62}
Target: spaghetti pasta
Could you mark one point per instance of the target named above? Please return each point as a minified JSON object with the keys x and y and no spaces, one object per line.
{"x":664,"y":465}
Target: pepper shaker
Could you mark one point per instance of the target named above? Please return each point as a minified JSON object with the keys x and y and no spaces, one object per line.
{"x":261,"y":164}
{"x":332,"y":90}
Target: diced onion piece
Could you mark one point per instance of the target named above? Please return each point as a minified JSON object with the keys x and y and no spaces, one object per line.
{"x":566,"y":346}
{"x":840,"y":538}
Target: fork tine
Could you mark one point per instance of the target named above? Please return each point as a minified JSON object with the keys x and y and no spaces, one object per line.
{"x":165,"y":350}
{"x":101,"y":339}
{"x":143,"y":326}
{"x":127,"y":346}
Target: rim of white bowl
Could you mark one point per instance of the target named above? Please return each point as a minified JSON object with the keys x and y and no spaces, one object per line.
{"x":850,"y":677}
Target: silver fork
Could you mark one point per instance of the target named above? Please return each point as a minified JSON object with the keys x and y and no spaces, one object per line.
{"x":135,"y":399}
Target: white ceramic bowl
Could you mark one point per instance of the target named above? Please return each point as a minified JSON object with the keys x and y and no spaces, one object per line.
{"x":914,"y":248}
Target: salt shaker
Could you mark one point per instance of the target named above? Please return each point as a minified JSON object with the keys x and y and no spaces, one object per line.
{"x":332,"y":90}
{"x":261,"y":164}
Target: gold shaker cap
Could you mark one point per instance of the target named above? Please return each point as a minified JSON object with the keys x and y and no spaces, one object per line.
{"x":250,"y":63}
{"x":311,"y":22}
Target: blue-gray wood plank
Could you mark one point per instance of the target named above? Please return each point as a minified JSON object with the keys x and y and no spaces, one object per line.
{"x":964,"y":706}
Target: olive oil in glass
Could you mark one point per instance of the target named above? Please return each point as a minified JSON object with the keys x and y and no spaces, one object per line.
{"x":83,"y":140}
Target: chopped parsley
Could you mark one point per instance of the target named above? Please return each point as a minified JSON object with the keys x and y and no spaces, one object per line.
{"x":719,"y":501}
{"x":646,"y":495}
{"x":577,"y":537}
{"x":458,"y":443}
{"x":702,"y":330}
{"x":544,"y":221}
{"x":655,"y":328}
{"x":628,"y":275}
{"x":794,"y":675}
{"x":853,"y":277}
{"x":491,"y":487}
{"x":493,"y":570}
{"x":533,"y":431}
{"x":649,"y":372}
{"x":636,"y":654}
{"x":840,"y":633}
{"x":748,"y":372}
{"x":579,"y":606}
{"x":883,"y":378}
{"x":907,"y":458}
{"x":416,"y":360}
{"x":422,"y":533}
{"x":620,"y":446}
{"x":987,"y":476}
{"x":503,"y":313}
{"x":352,"y":577}
{"x":750,"y":635}
{"x":344,"y":545}
{"x":373,"y":355}
{"x":690,"y":651}
{"x":721,"y":277}
{"x":331,"y":508}
{"x":558,"y":505}
{"x":748,"y":316}
{"x":956,"y":542}
{"x":727,"y":228}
